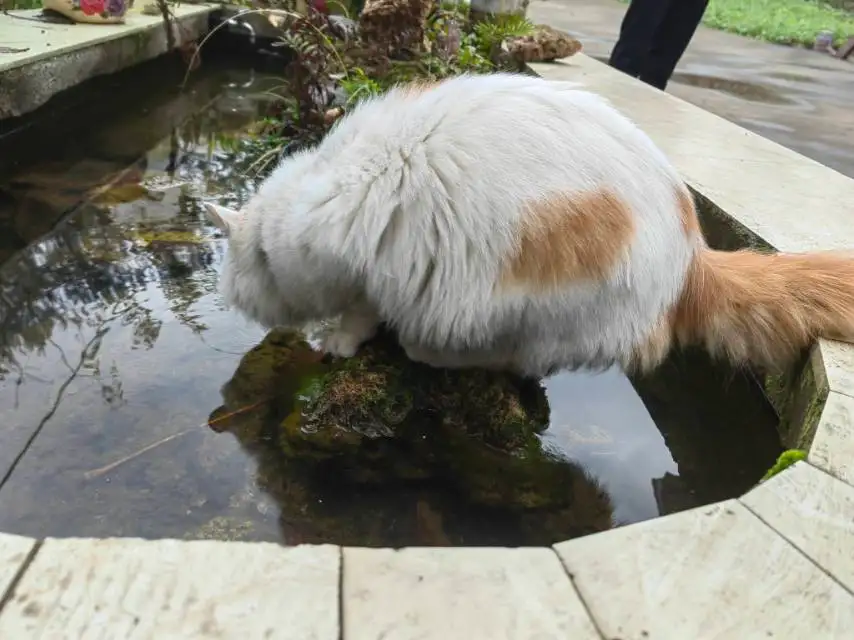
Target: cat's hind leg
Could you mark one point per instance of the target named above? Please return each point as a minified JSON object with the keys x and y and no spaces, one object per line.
{"x":358,"y":325}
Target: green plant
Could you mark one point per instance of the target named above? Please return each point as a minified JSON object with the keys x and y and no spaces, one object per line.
{"x":319,"y":62}
{"x":491,"y":33}
{"x":786,"y":460}
{"x":358,"y":86}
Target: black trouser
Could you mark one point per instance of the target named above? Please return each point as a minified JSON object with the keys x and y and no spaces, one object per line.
{"x":653,"y":36}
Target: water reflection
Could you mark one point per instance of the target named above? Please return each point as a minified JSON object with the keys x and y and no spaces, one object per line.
{"x":115,"y":347}
{"x":600,"y":421}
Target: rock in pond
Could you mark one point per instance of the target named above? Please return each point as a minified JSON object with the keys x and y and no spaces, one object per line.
{"x":381,"y":424}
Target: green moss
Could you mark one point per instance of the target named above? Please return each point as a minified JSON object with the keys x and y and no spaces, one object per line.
{"x":786,"y":460}
{"x":380,"y":389}
{"x":121,"y":193}
{"x":807,"y":398}
{"x":222,"y":528}
{"x":169,"y":237}
{"x":379,"y":417}
{"x":778,"y":388}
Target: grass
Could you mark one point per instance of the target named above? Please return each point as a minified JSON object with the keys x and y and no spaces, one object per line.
{"x":781,"y":21}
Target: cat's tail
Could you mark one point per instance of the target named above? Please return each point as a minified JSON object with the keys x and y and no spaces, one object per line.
{"x":765,"y":309}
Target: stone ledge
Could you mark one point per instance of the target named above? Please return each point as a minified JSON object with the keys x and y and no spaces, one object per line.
{"x":120,"y":588}
{"x":450,"y":593}
{"x":815,"y":512}
{"x":712,"y":572}
{"x":58,"y":57}
{"x":776,"y":563}
{"x":755,"y":193}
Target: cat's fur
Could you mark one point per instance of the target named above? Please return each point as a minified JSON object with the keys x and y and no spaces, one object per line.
{"x":511,"y":222}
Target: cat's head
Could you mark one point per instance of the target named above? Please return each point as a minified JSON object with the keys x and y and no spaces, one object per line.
{"x":246,"y":282}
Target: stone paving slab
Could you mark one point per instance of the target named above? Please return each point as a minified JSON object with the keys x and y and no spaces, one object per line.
{"x":838,"y":363}
{"x":832,"y":446}
{"x":815,"y":512}
{"x":460,"y":594}
{"x":773,"y":567}
{"x":57,"y":57}
{"x":131,"y":588}
{"x":710,"y":573}
{"x":14,"y":551}
{"x":44,"y":40}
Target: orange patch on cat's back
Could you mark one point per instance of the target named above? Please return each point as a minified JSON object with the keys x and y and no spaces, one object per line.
{"x":687,"y":212}
{"x":570,"y":237}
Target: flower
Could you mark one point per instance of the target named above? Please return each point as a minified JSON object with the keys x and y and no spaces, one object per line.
{"x":92,"y":7}
{"x":115,"y":7}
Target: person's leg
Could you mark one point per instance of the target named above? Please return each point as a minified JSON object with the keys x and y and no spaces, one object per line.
{"x":637,"y":30}
{"x":671,"y":39}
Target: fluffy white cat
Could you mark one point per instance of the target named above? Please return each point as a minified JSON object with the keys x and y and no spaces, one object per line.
{"x":506,"y":221}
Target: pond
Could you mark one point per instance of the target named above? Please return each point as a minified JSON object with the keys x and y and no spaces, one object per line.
{"x":122,"y":374}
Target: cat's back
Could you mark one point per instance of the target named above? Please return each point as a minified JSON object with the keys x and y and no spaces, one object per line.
{"x":461,"y":161}
{"x":454,"y":201}
{"x":511,"y":134}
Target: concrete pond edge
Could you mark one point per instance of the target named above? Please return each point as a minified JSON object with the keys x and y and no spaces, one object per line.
{"x":63,"y":56}
{"x":784,"y":551}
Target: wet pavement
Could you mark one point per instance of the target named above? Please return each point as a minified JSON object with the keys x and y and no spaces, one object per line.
{"x":798,"y":98}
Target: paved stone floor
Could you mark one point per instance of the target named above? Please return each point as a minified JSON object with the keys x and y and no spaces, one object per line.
{"x":796,"y":97}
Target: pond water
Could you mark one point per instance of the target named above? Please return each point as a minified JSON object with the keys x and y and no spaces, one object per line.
{"x":117,"y":357}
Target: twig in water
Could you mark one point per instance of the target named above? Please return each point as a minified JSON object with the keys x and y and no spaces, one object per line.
{"x":93,"y":344}
{"x":97,"y":473}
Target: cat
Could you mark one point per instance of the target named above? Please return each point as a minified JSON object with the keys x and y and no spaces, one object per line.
{"x":510,"y":222}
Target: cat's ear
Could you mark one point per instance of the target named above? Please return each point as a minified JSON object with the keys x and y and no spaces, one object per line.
{"x":223,"y":218}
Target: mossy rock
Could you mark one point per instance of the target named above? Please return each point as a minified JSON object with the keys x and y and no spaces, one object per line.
{"x":383,"y":417}
{"x":380,"y":393}
{"x":352,"y":448}
{"x":276,"y":367}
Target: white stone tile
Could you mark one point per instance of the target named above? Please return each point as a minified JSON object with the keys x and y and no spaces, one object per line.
{"x":159,"y":590}
{"x":787,"y":199}
{"x":838,"y":361}
{"x":43,"y":40}
{"x":815,"y":512}
{"x":713,"y":573}
{"x":460,"y":593}
{"x":13,"y":553}
{"x":833,"y":445}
